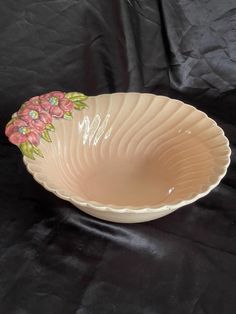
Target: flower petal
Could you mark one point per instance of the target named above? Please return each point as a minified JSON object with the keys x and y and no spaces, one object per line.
{"x":35,"y":100}
{"x":57,"y":94}
{"x":13,"y":126}
{"x":23,"y":111}
{"x":30,"y":106}
{"x":56,"y":112}
{"x":45,"y":104}
{"x":45,"y":96}
{"x":66,"y":105}
{"x":26,"y":118}
{"x":33,"y":137}
{"x":19,"y":123}
{"x":10,"y":128}
{"x":45,"y":117}
{"x":17,"y":138}
{"x":38,"y":125}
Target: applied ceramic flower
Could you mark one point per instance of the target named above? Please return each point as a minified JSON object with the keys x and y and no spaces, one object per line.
{"x":128,"y":157}
{"x":56,"y":104}
{"x":20,"y":132}
{"x":34,"y":119}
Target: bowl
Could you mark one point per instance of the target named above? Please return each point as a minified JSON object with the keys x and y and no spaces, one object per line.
{"x":122,"y":157}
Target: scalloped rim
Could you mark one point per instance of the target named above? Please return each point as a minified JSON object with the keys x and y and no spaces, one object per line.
{"x":134,"y":209}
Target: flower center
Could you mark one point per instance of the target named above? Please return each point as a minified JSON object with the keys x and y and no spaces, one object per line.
{"x":53,"y":101}
{"x":23,"y":130}
{"x":34,"y":114}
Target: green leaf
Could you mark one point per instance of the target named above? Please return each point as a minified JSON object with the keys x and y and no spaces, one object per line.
{"x":37,"y":151}
{"x":50,"y":127}
{"x":68,"y":116}
{"x":45,"y":135}
{"x":79,"y":105}
{"x":27,"y":150}
{"x":73,"y":96}
{"x":77,"y":99}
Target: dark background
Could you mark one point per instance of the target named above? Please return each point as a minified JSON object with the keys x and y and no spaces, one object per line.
{"x":53,"y":258}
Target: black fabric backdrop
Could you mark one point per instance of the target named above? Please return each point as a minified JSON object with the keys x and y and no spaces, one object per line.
{"x":53,"y":258}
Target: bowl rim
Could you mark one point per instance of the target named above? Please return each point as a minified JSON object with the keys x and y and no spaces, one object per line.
{"x":137,"y":209}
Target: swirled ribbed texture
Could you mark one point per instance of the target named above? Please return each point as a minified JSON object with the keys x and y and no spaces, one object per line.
{"x":133,"y":153}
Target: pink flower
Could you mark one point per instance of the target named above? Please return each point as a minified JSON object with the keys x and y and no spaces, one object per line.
{"x":56,"y":104}
{"x":32,"y":113}
{"x":19,"y":132}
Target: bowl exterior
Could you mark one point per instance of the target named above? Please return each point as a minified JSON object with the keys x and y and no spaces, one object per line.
{"x":125,"y":217}
{"x":97,"y":134}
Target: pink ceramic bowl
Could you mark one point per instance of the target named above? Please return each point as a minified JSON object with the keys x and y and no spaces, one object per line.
{"x":123,"y":157}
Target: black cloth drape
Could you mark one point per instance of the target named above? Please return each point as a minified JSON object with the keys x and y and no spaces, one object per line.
{"x":53,"y":258}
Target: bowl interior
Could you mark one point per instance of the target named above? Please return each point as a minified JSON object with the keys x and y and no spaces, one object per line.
{"x":134,"y":150}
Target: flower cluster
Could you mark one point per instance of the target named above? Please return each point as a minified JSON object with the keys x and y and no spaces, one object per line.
{"x":34,"y":119}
